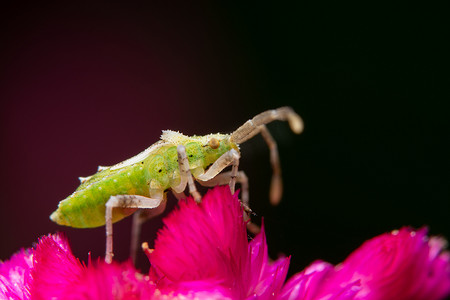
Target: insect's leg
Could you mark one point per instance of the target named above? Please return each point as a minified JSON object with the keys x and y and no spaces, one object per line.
{"x":185,"y":175}
{"x":221,"y":163}
{"x":234,"y":172}
{"x":224,"y":178}
{"x":139,"y":218}
{"x":184,"y":170}
{"x":123,"y":201}
{"x":257,"y":125}
{"x":142,"y":216}
{"x":179,"y":196}
{"x":229,"y":157}
{"x":242,"y":179}
{"x":252,"y":126}
{"x":276,"y":184}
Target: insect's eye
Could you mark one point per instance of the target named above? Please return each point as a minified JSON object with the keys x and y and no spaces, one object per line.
{"x":214,"y":143}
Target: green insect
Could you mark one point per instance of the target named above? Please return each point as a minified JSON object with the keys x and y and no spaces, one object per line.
{"x":172,"y":163}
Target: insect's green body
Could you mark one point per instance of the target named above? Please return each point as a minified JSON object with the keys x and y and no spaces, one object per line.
{"x":148,"y":174}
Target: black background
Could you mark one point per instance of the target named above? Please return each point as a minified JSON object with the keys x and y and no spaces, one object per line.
{"x":89,"y":84}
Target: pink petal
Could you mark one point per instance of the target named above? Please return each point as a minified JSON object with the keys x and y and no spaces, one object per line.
{"x":194,"y":290}
{"x":400,"y":265}
{"x":312,"y":283}
{"x":57,"y":274}
{"x":15,"y":276}
{"x":271,"y":275}
{"x":55,"y":268}
{"x":207,"y":242}
{"x":109,"y":282}
{"x":202,"y":242}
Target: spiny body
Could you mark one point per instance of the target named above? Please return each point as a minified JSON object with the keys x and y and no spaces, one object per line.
{"x":148,"y":174}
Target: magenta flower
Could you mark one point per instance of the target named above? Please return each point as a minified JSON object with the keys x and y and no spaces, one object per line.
{"x":50,"y":271}
{"x":208,"y":243}
{"x":203,"y":253}
{"x":57,"y":274}
{"x":402,"y":265}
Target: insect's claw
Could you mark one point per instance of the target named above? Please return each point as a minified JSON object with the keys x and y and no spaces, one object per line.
{"x":147,"y":249}
{"x":247,"y":209}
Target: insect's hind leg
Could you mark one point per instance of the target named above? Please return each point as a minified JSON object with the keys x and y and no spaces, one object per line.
{"x":139,"y":218}
{"x":124,"y":201}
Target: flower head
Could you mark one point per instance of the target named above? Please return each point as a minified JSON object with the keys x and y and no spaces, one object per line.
{"x":50,"y":271}
{"x":207,"y":242}
{"x":403,"y":264}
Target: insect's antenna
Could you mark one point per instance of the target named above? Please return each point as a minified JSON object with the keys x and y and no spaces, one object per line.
{"x":252,"y":126}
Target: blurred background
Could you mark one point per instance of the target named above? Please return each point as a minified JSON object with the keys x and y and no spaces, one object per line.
{"x":83,"y":85}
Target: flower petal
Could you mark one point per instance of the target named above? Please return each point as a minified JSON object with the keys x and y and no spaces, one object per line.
{"x":57,"y":274}
{"x":312,"y":283}
{"x":207,"y":242}
{"x":271,"y":275}
{"x":15,"y":276}
{"x":109,"y":282}
{"x":199,"y":290}
{"x":402,"y":264}
{"x":204,"y":241}
{"x":55,"y":268}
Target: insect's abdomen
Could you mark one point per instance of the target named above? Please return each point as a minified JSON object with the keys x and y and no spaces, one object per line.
{"x":85,"y":208}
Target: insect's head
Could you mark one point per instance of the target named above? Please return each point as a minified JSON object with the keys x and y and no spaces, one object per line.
{"x":214,"y":145}
{"x":219,"y":143}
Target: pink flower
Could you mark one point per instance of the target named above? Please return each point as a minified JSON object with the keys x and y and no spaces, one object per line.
{"x":403,"y":264}
{"x":50,"y":271}
{"x":312,"y":283}
{"x":207,"y":243}
{"x":400,"y":265}
{"x":203,"y":253}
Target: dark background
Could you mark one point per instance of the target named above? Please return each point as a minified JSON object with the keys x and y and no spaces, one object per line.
{"x":89,"y":84}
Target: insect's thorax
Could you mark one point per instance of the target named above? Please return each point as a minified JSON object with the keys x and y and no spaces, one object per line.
{"x":162,"y":167}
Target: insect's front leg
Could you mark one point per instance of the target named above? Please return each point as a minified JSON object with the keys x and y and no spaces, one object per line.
{"x":124,"y":201}
{"x":228,"y":158}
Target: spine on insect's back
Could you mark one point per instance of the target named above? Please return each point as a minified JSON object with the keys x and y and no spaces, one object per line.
{"x":85,"y":208}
